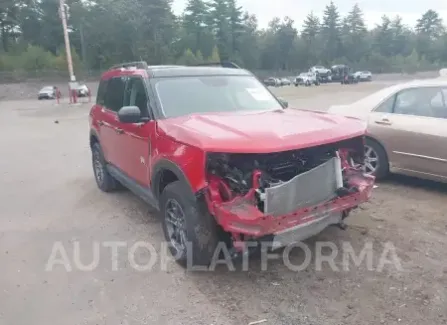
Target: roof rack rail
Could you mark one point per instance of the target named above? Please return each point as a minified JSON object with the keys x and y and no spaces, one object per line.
{"x":137,"y":64}
{"x":224,"y":64}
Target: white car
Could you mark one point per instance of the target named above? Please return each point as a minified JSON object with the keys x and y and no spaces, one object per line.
{"x":285,"y":82}
{"x":363,"y":75}
{"x":47,"y":92}
{"x":320,"y":69}
{"x":306,"y":79}
{"x":82,"y":90}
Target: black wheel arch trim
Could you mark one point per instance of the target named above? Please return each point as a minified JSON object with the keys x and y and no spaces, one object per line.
{"x":93,"y":133}
{"x":165,"y":164}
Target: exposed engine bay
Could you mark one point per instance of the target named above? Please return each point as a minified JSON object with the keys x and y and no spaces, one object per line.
{"x":274,"y":169}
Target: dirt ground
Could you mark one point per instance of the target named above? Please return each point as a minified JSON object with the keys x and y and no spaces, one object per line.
{"x":49,"y":195}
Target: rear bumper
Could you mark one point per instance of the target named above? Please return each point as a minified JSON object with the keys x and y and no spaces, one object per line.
{"x":241,"y":215}
{"x":45,"y":96}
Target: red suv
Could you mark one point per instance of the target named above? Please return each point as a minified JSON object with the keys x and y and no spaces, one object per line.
{"x":222,"y":158}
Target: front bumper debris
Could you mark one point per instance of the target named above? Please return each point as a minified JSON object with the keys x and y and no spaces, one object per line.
{"x":242,"y":216}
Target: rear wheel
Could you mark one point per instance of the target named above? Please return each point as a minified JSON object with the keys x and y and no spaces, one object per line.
{"x":376,"y":160}
{"x":104,"y":180}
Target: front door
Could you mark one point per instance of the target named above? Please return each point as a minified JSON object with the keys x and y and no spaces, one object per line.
{"x":108,"y":120}
{"x":136,"y":140}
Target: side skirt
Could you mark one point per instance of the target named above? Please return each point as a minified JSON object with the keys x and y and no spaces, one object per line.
{"x":144,"y":193}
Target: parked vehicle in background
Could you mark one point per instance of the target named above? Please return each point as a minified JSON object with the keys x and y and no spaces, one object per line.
{"x":407,"y":129}
{"x":363,"y":75}
{"x":47,"y":92}
{"x":273,"y":82}
{"x":323,"y":73}
{"x":82,"y":90}
{"x":222,"y":159}
{"x":339,"y":71}
{"x":306,"y":79}
{"x":350,"y":78}
{"x":285,"y":82}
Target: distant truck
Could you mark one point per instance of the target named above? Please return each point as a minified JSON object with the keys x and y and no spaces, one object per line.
{"x":306,"y":79}
{"x":343,"y":74}
{"x":323,"y":73}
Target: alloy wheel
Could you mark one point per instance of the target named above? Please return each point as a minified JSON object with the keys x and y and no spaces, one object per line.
{"x":175,"y":225}
{"x":371,"y":160}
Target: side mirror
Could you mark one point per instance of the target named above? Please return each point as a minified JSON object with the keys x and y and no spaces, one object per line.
{"x":283,"y":103}
{"x":129,"y":114}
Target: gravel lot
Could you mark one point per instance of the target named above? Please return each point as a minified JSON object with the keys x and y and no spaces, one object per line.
{"x":48,"y":195}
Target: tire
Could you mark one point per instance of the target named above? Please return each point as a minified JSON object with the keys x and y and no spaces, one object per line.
{"x":104,"y":180}
{"x":382,"y":168}
{"x":198,"y":229}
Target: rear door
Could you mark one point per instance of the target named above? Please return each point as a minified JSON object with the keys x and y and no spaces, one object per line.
{"x":109,"y":124}
{"x":415,"y":132}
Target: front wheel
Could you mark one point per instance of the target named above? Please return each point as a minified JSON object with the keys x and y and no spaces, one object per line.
{"x":376,"y":160}
{"x":191,"y":234}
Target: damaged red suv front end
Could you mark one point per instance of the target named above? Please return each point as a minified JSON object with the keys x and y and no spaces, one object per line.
{"x":285,"y":174}
{"x":296,"y":193}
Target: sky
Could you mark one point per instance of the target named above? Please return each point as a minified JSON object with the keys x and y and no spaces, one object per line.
{"x":265,"y":10}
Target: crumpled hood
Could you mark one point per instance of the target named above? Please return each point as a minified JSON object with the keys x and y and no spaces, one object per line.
{"x":260,"y":132}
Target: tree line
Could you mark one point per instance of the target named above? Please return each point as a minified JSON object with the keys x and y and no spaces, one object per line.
{"x":105,"y":32}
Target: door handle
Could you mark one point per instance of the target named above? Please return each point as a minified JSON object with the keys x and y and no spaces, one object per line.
{"x":100,"y":123}
{"x":383,"y":121}
{"x":119,"y":131}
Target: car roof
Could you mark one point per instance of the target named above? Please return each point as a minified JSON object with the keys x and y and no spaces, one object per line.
{"x":184,"y":71}
{"x":164,"y":71}
{"x":381,"y":94}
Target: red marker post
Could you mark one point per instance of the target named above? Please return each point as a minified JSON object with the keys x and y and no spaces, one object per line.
{"x":58,"y":95}
{"x":73,"y":94}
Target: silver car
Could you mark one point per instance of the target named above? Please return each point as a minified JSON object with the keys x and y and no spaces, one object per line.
{"x":407,"y":129}
{"x":364,"y":75}
{"x":47,"y":92}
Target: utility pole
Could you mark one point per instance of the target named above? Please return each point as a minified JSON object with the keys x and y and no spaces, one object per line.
{"x":63,"y":14}
{"x":84,"y":55}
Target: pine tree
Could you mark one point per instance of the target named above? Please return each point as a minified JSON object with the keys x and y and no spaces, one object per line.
{"x":330,"y":32}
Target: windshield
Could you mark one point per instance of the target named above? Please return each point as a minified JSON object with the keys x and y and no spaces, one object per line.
{"x":205,"y":94}
{"x":47,"y":88}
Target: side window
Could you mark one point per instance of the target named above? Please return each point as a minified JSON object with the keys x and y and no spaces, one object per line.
{"x":135,"y":95}
{"x":386,"y":106}
{"x":101,"y":92}
{"x":115,"y":94}
{"x":425,"y":101}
